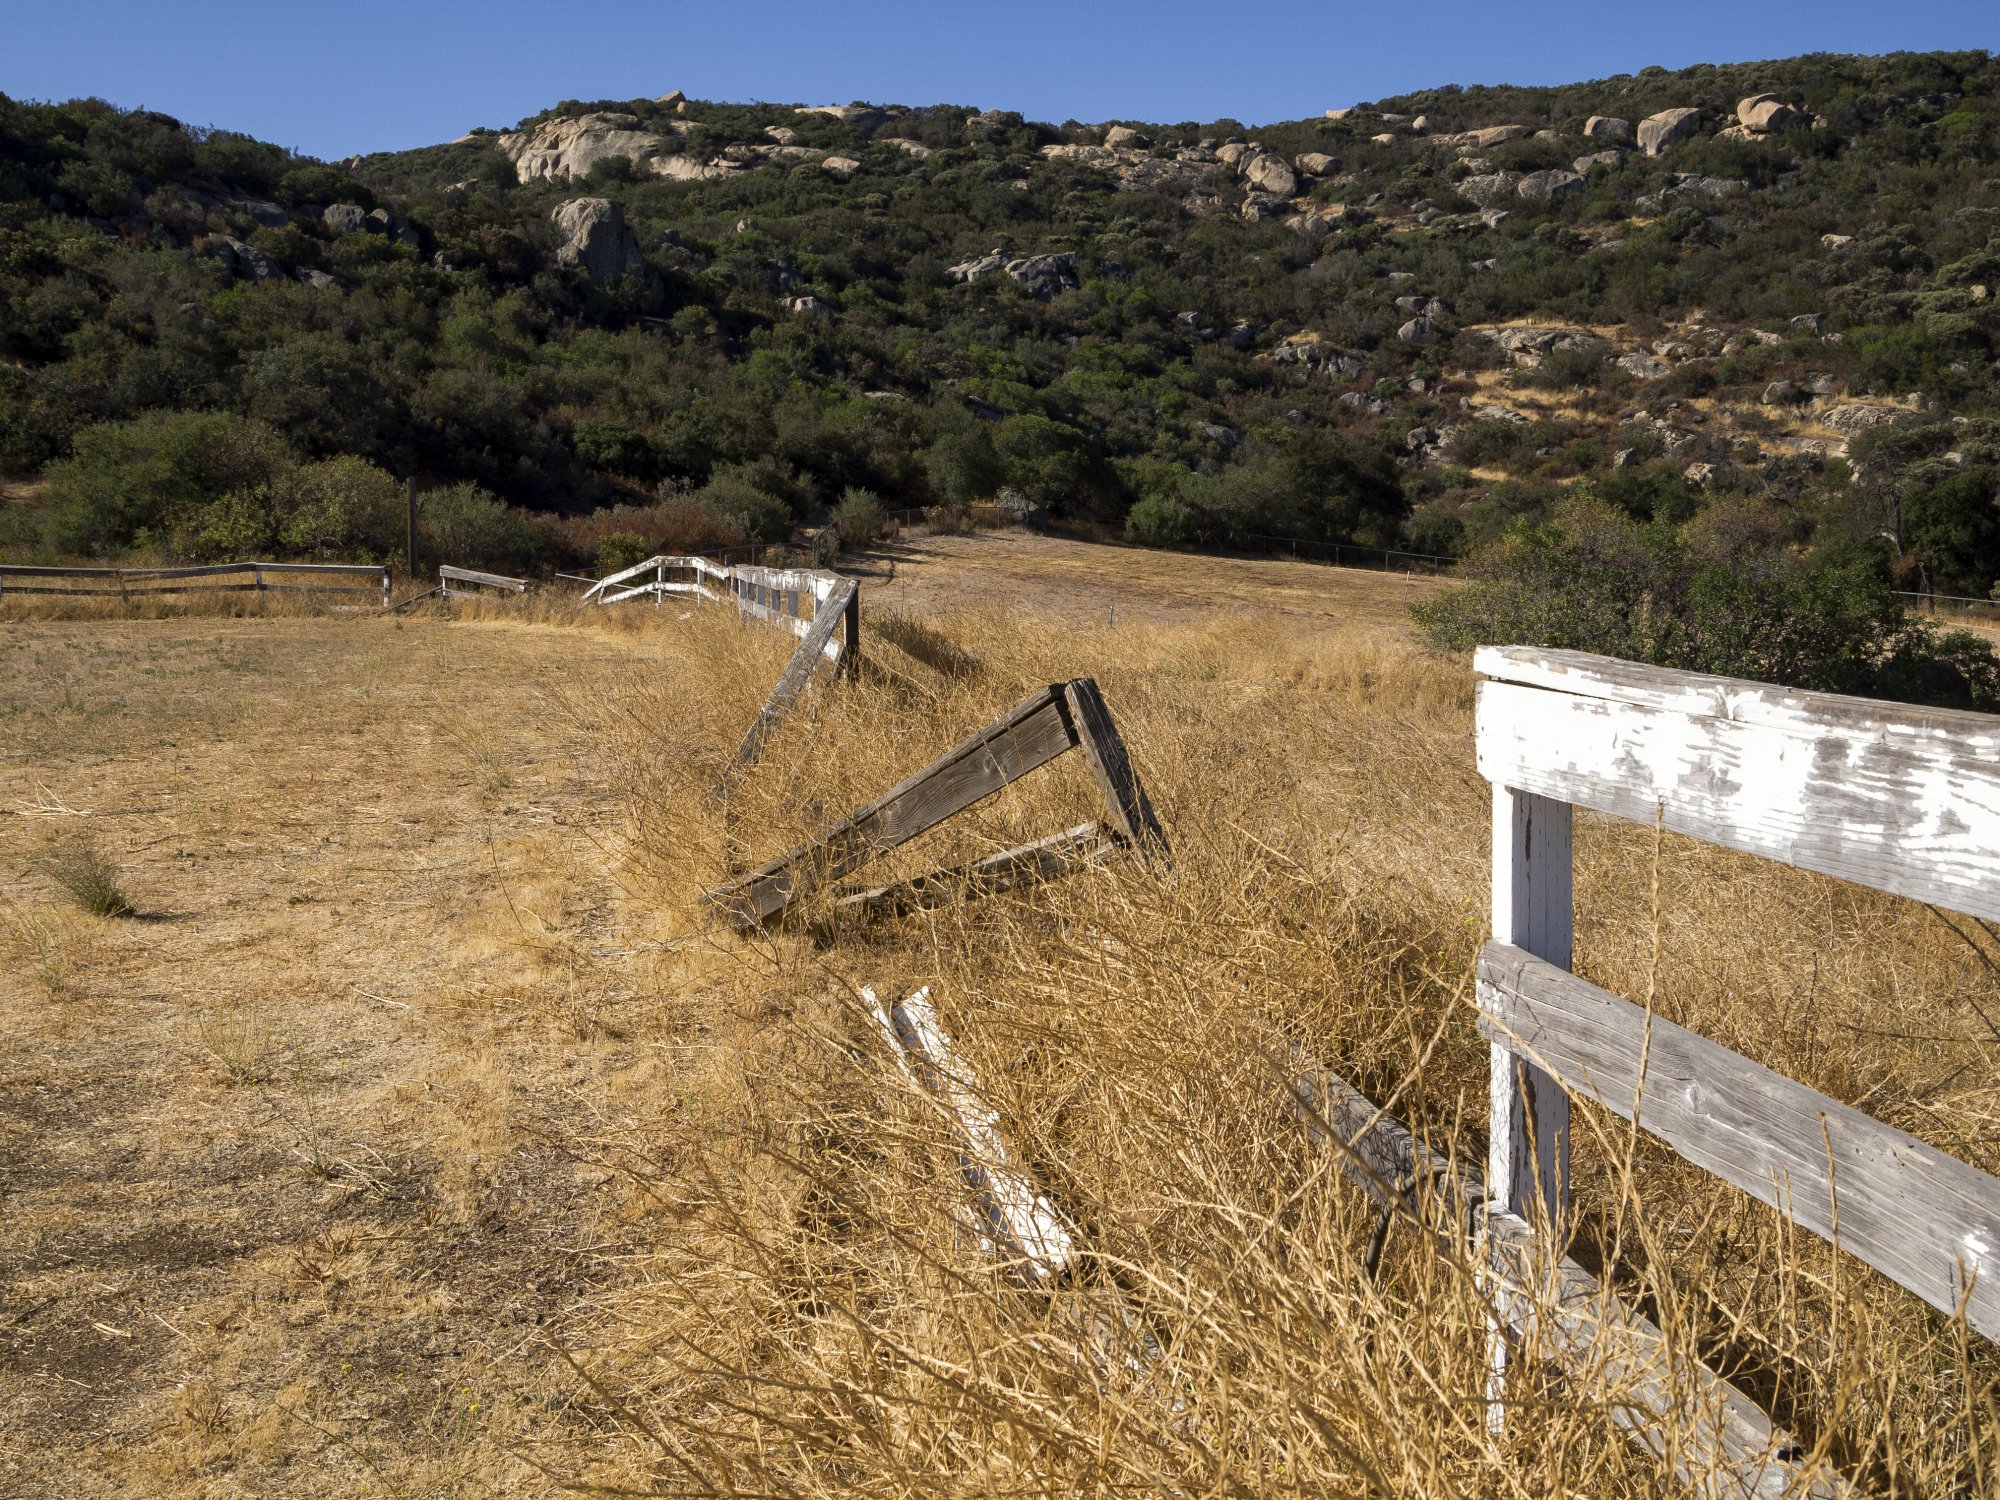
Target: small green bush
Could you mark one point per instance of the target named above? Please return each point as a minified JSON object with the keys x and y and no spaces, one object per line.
{"x":860,"y":516}
{"x":469,"y":528}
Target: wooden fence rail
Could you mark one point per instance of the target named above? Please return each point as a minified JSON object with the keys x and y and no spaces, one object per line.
{"x":145,"y":583}
{"x":1903,"y":800}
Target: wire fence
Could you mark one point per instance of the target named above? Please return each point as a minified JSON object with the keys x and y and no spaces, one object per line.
{"x":1953,"y":606}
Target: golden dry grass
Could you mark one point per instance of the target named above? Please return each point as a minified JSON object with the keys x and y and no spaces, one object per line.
{"x":655,"y":1199}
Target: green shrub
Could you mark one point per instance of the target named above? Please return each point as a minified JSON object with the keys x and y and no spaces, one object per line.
{"x":342,"y":508}
{"x":619,"y":550}
{"x":1592,"y":579}
{"x":466,"y":527}
{"x":135,"y":482}
{"x":1161,"y":520}
{"x":861,"y":517}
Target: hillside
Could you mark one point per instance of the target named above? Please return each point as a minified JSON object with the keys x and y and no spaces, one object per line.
{"x":1413,"y":323}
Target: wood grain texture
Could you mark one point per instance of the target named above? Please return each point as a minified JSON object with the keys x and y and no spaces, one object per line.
{"x":1032,"y":733}
{"x":792,"y":681}
{"x":1926,"y":1220}
{"x":1908,"y":804}
{"x":1009,"y":869}
{"x":1104,"y":748}
{"x":1715,"y":1439}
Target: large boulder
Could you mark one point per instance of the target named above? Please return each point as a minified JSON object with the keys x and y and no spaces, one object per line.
{"x":1314,"y":163}
{"x":1763,"y":113}
{"x":245,"y":260}
{"x":1548,"y":187}
{"x":1270,"y":174}
{"x":1490,"y":188}
{"x":1657,"y":132}
{"x":1608,"y":158}
{"x":597,"y":240}
{"x":344,"y":218}
{"x":569,"y":148}
{"x":1125,"y":138}
{"x":1493,"y":135}
{"x":1607,"y":128}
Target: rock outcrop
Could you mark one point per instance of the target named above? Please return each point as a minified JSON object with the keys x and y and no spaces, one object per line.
{"x":1657,"y":132}
{"x":1044,"y":275}
{"x":1491,"y":135}
{"x":1548,"y":187}
{"x":597,"y":241}
{"x":570,"y":148}
{"x":1270,"y":174}
{"x":1607,"y":128}
{"x":1761,"y":114}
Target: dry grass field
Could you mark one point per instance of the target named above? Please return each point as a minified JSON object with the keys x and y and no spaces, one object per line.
{"x":420,"y":1135}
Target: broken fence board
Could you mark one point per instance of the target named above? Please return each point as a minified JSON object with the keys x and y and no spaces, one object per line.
{"x":1029,"y":735}
{"x":1104,"y":748}
{"x":490,"y":580}
{"x":1907,"y":802}
{"x":1926,"y":1220}
{"x":1716,"y":1440}
{"x":791,"y":682}
{"x":1029,"y":1232}
{"x":1026,"y":864}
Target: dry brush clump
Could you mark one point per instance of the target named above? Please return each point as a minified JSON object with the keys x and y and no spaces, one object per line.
{"x":818,"y":1314}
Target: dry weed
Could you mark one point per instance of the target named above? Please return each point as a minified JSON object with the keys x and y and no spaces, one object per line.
{"x":81,"y":872}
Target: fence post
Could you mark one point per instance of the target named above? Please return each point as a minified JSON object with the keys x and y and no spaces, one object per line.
{"x":1527,"y":1165}
{"x":851,"y":625}
{"x":410,"y":523}
{"x":385,"y":586}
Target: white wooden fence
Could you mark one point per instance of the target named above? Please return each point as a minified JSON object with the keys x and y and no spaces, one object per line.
{"x":1904,"y":800}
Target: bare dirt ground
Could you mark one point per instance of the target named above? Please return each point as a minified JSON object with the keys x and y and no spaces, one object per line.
{"x":292,"y":1157}
{"x":1099,"y":583}
{"x":301,"y":1166}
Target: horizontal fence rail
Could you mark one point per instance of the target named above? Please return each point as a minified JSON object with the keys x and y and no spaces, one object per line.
{"x":1900,"y":799}
{"x":141,"y":583}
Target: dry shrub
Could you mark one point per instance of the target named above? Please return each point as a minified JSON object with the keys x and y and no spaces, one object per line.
{"x":81,"y":872}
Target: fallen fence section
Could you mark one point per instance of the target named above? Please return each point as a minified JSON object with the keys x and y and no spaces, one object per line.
{"x":467,"y":583}
{"x":1047,"y":723}
{"x":145,"y":583}
{"x":1715,"y":1438}
{"x":840,"y":606}
{"x":1904,"y":800}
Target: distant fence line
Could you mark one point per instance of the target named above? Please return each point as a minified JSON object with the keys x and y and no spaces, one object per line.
{"x":144,"y":583}
{"x":1954,"y":604}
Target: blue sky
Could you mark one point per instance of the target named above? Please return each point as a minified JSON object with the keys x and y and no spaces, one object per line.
{"x":334,"y":78}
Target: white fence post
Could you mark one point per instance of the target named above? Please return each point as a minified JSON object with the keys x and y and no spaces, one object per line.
{"x":1527,"y":1164}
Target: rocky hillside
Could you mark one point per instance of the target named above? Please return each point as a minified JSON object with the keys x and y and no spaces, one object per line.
{"x":1418,"y":322}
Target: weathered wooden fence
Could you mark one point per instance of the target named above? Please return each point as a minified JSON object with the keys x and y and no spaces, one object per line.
{"x":146,"y":583}
{"x":470,"y":583}
{"x":1903,"y":800}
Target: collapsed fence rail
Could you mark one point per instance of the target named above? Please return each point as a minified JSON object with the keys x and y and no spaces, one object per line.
{"x":145,"y":583}
{"x":467,"y":583}
{"x":1049,"y":722}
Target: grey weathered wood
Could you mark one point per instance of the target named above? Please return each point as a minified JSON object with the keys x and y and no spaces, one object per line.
{"x":1032,"y":733}
{"x":792,"y":681}
{"x":452,"y":574}
{"x":1031,"y":1235}
{"x":1527,"y":1161}
{"x":850,"y":634}
{"x":1025,"y":864}
{"x":1527,"y":1169}
{"x":1716,"y":1440}
{"x":1904,"y":800}
{"x":1102,"y":745}
{"x":1926,"y":1220}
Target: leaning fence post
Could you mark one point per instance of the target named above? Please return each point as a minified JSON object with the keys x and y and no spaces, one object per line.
{"x":1527,"y":1166}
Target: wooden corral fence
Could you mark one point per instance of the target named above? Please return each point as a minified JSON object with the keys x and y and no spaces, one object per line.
{"x":145,"y":583}
{"x":1903,"y":800}
{"x":470,"y":583}
{"x":821,"y":608}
